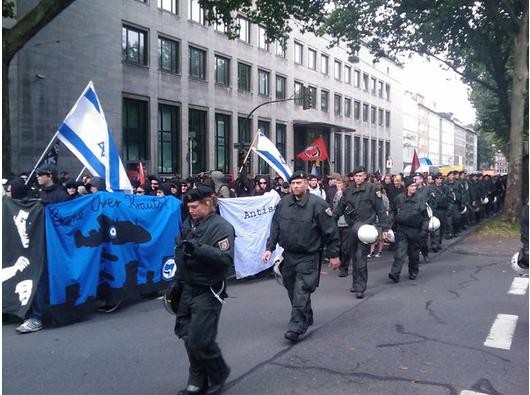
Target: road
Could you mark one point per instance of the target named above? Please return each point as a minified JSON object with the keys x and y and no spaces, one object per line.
{"x":427,"y":336}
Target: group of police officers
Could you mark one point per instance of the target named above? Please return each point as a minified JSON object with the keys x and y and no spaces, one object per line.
{"x":306,"y":227}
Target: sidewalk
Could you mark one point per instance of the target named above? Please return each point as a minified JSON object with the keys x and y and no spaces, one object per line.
{"x":472,"y":244}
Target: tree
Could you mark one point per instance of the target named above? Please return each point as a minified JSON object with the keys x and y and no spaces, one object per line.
{"x":13,"y":40}
{"x":485,"y":41}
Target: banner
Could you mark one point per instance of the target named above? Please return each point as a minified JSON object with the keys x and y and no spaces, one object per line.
{"x":251,"y":218}
{"x":315,"y":151}
{"x":22,"y":253}
{"x":415,"y":165}
{"x":109,"y":246}
{"x":85,"y":132}
{"x":270,"y":154}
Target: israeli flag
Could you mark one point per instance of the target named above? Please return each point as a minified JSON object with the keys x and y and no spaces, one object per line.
{"x":270,"y":154}
{"x":85,"y":132}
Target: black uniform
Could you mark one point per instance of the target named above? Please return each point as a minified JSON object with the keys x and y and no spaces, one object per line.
{"x":439,"y":206}
{"x":204,"y":255}
{"x":360,"y":205}
{"x":411,"y":220}
{"x":453,"y":209}
{"x":303,"y":228}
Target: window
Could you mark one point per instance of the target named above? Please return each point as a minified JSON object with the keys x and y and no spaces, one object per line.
{"x":222,"y":143}
{"x":381,"y":161}
{"x":281,"y":138}
{"x":387,"y":92}
{"x":243,"y":77}
{"x":262,"y":39}
{"x":168,"y":55}
{"x":280,"y":87}
{"x":372,"y":156}
{"x":324,"y":64}
{"x":298,"y":93}
{"x":357,"y":110}
{"x":244,"y":29}
{"x":263,"y":82}
{"x":380,"y":90}
{"x":387,"y":119}
{"x":347,"y":74}
{"x":373,"y":85}
{"x":365,"y":112}
{"x":312,"y":59}
{"x":387,"y":150}
{"x":298,"y":53}
{"x":365,"y":152}
{"x":196,"y":13}
{"x":280,"y":47}
{"x":222,"y":70}
{"x":372,"y":115}
{"x":244,"y":137}
{"x":347,"y":153}
{"x":338,"y":70}
{"x":197,"y":63}
{"x":357,"y":78}
{"x":347,"y":107}
{"x":265,"y":127}
{"x":197,"y":132}
{"x":220,"y":27}
{"x":366,"y":79}
{"x":168,"y":5}
{"x":313,"y":94}
{"x":134,"y":45}
{"x":380,"y":117}
{"x":324,"y":97}
{"x":337,"y":153}
{"x":168,"y":138}
{"x":356,"y":152}
{"x":135,"y":129}
{"x":337,"y":104}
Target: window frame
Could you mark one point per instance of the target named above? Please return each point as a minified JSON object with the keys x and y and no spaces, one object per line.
{"x":248,"y":79}
{"x":242,"y":36}
{"x":174,"y":138}
{"x":324,"y":64}
{"x":324,"y":100}
{"x":284,"y":90}
{"x":267,"y":86}
{"x":347,"y":74}
{"x":226,"y":73}
{"x":176,"y":43}
{"x":203,"y":72}
{"x":347,"y":107}
{"x":192,"y":6}
{"x":298,"y":53}
{"x":337,"y":110}
{"x":262,"y":39}
{"x":174,"y":10}
{"x":311,"y":55}
{"x":339,"y":64}
{"x":143,"y":51}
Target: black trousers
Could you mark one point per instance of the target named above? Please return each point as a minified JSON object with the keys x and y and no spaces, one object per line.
{"x":359,"y":257}
{"x":407,"y":244}
{"x":436,"y":236}
{"x":345,"y":248}
{"x":300,"y":274}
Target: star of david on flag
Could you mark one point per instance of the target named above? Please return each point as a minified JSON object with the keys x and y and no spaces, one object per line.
{"x":85,"y":132}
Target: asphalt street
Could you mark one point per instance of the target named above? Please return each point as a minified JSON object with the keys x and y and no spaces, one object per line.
{"x":427,"y":336}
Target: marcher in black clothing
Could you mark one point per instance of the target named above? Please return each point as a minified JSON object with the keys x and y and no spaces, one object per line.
{"x":204,"y":255}
{"x":303,"y":225}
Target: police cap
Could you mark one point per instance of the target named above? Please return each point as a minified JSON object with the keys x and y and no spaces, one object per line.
{"x":408,"y":181}
{"x":299,"y":175}
{"x":418,"y":174}
{"x":438,"y":175}
{"x":47,"y":168}
{"x":201,"y":191}
{"x":358,"y":169}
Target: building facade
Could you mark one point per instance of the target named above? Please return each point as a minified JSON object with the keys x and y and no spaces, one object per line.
{"x":177,"y":94}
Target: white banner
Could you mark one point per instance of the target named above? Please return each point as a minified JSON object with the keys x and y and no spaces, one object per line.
{"x":251,"y":218}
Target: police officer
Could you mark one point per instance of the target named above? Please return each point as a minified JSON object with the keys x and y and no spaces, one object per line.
{"x":439,"y":207}
{"x":424,"y":192}
{"x":453,"y":205}
{"x":411,"y":220}
{"x":361,"y":203}
{"x":303,"y":225}
{"x":204,"y":254}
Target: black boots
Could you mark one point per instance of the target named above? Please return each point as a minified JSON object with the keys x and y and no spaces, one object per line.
{"x":218,"y":372}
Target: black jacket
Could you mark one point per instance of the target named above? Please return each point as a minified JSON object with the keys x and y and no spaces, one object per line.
{"x":410,"y":214}
{"x":53,"y":194}
{"x":213,"y":253}
{"x":304,"y":226}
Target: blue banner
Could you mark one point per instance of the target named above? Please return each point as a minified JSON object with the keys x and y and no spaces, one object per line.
{"x":109,"y":246}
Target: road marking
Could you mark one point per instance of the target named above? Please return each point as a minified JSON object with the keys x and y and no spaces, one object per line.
{"x":501,"y":332}
{"x":519,"y":286}
{"x":467,"y":392}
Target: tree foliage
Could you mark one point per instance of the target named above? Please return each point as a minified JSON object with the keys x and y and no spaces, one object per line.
{"x":8,"y":8}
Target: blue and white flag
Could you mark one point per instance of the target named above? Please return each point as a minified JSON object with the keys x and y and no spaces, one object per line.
{"x":270,"y":154}
{"x":85,"y":132}
{"x":251,"y":218}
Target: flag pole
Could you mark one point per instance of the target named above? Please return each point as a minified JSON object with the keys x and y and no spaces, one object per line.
{"x":81,"y":172}
{"x":249,"y":150}
{"x":42,"y":156}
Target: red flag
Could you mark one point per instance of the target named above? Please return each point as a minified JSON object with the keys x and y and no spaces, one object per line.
{"x":315,"y":151}
{"x":141,"y":173}
{"x":415,"y":163}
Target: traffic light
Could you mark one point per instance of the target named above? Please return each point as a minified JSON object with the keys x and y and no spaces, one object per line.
{"x":307,"y":98}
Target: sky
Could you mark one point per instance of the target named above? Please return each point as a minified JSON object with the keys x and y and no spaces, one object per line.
{"x":443,"y":87}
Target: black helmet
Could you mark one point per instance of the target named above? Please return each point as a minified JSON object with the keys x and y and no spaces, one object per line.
{"x":172,"y":297}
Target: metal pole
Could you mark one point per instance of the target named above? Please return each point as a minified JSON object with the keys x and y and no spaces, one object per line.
{"x":190,"y":155}
{"x":81,"y":172}
{"x":42,"y":156}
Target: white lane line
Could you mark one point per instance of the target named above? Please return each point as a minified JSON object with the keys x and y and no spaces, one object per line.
{"x":467,"y":392}
{"x":501,"y":332}
{"x":519,"y":286}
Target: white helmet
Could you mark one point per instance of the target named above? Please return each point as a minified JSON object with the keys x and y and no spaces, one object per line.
{"x":367,"y":234}
{"x":515,"y":263}
{"x":390,"y":236}
{"x":485,"y":200}
{"x":464,"y":210}
{"x":429,"y":210}
{"x":495,"y":199}
{"x":277,"y":269}
{"x":434,"y":224}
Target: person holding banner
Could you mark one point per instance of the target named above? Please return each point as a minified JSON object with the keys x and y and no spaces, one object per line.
{"x":204,"y":254}
{"x":303,"y":225}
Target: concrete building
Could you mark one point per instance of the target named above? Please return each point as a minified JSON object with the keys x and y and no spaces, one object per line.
{"x":175,"y":90}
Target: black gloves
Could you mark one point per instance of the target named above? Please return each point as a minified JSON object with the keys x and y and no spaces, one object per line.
{"x":189,"y":247}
